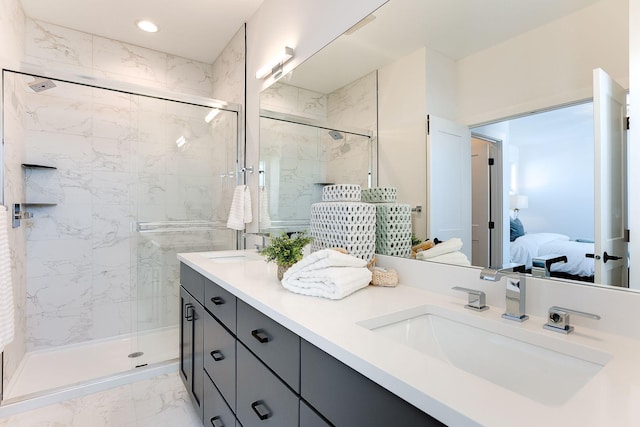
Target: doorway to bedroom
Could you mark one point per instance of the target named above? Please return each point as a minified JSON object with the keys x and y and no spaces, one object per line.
{"x":549,"y":187}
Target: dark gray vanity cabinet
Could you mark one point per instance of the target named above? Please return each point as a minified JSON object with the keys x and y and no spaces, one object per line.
{"x":216,"y":411}
{"x":243,"y":368}
{"x":275,"y":345}
{"x":263,"y":399}
{"x":347,"y":398}
{"x":191,"y":347}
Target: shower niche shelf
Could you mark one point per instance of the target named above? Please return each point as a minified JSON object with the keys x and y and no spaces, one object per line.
{"x":40,"y":185}
{"x":35,"y":166}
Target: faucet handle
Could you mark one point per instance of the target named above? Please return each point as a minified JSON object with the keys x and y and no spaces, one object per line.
{"x":477,"y":299}
{"x":558,"y":319}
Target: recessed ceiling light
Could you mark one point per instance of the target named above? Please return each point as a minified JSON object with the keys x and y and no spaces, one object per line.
{"x":147,"y":26}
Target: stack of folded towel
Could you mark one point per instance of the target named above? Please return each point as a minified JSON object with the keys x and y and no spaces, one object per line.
{"x":446,"y":252}
{"x":327,"y":273}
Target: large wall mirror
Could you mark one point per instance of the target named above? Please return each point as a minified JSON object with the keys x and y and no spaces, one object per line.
{"x":519,"y":82}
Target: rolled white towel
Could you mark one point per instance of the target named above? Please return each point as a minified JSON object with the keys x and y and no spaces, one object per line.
{"x":333,"y":282}
{"x":452,"y":245}
{"x":323,"y":259}
{"x":456,"y":258}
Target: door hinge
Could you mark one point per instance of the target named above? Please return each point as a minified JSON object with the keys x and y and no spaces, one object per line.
{"x":491,"y":161}
{"x":626,"y":235}
{"x":492,"y":225}
{"x":428,"y":126}
{"x":627,"y":122}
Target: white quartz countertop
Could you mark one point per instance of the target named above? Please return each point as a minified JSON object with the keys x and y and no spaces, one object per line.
{"x":448,"y":393}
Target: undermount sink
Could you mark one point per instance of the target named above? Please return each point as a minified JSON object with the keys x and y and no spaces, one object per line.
{"x":547,"y":369}
{"x":224,"y":257}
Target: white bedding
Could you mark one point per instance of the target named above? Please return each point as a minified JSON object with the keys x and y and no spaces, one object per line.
{"x":526,"y":247}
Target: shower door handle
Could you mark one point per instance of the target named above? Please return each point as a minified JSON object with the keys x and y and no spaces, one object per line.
{"x":187,"y":315}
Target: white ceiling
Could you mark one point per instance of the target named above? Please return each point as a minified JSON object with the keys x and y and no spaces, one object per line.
{"x":455,"y":28}
{"x":194,"y":29}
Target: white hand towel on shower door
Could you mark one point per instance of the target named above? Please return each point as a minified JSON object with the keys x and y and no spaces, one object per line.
{"x":240,"y":212}
{"x":7,"y":321}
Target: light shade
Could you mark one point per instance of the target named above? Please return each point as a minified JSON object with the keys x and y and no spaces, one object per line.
{"x":275,"y":63}
{"x":517,"y":201}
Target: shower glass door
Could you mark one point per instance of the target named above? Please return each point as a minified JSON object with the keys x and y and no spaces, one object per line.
{"x":115,"y":185}
{"x":184,"y":176}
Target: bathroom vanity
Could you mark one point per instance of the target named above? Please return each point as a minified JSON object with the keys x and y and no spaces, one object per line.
{"x":255,"y":354}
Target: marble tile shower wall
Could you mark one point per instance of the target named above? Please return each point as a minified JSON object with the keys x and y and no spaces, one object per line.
{"x":14,"y":156}
{"x":299,"y":157}
{"x":57,"y":48}
{"x":83,"y":268}
{"x":117,"y":162}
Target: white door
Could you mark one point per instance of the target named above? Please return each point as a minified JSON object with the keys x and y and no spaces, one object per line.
{"x":480,"y":202}
{"x":449,"y":181}
{"x":609,"y":103}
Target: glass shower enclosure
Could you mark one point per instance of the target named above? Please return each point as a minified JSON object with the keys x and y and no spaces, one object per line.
{"x":107,"y":187}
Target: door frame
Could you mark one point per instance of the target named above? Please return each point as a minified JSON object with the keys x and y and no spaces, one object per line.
{"x":496,"y":198}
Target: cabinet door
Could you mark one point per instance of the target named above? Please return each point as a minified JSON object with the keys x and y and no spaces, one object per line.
{"x":220,"y":303}
{"x":347,"y":398}
{"x":220,"y":358}
{"x":198,"y":355}
{"x":193,"y":282}
{"x":192,"y":347}
{"x":275,"y":345}
{"x":216,"y":411}
{"x":308,"y":417}
{"x":186,"y":339}
{"x":263,"y":399}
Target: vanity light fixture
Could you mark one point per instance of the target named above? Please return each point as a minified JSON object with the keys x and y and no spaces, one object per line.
{"x":212,"y":114}
{"x":274,"y":66}
{"x":147,"y":26}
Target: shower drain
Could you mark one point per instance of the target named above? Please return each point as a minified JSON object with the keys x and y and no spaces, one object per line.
{"x":135,"y":354}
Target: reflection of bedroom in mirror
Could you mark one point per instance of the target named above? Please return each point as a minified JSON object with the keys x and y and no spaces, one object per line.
{"x":551,"y":209}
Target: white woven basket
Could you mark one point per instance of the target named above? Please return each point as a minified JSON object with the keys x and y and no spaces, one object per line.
{"x":393,"y":229}
{"x":341,"y":193}
{"x":380,"y":195}
{"x":348,"y":225}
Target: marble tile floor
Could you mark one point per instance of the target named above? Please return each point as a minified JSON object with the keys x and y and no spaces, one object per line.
{"x":158,"y":402}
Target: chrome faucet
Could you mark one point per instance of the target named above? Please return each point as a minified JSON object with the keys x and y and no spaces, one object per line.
{"x":264,"y":236}
{"x":516,"y":289}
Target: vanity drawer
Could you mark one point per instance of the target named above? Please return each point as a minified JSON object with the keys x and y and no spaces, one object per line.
{"x":275,"y":345}
{"x":192,"y":281}
{"x":347,"y":398}
{"x":216,"y":411}
{"x":309,"y":418}
{"x":220,"y":303}
{"x":220,"y":358}
{"x":263,"y":399}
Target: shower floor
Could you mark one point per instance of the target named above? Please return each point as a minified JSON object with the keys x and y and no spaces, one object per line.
{"x":64,"y":366}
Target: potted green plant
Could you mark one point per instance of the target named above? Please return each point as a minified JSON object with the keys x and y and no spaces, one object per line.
{"x":286,"y":250}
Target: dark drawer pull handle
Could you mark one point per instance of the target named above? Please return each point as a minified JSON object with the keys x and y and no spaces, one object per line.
{"x":187,"y":315}
{"x":217,"y":355}
{"x":217,"y":422}
{"x":260,"y":335}
{"x":264,"y":414}
{"x":217,"y":300}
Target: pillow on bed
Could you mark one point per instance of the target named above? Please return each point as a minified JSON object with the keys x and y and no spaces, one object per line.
{"x":517,"y":229}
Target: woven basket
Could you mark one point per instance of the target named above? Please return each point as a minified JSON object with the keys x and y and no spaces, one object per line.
{"x":384,"y":277}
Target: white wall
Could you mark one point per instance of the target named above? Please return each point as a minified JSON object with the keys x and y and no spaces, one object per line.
{"x":402,"y":112}
{"x":306,"y":26}
{"x":550,"y":65}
